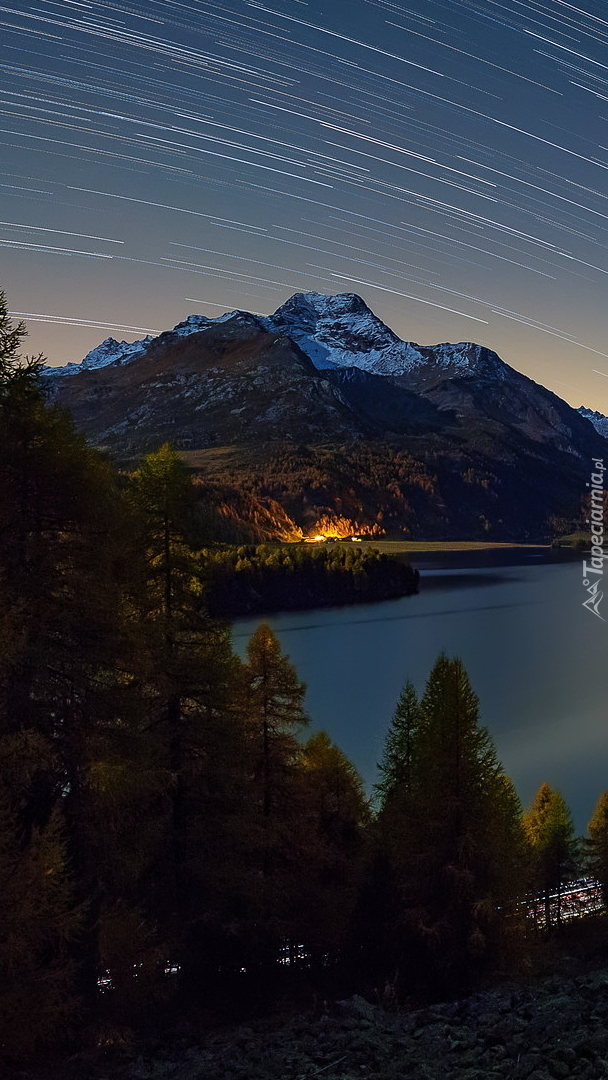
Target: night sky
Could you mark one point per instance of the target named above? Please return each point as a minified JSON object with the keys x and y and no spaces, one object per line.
{"x":445,"y":159}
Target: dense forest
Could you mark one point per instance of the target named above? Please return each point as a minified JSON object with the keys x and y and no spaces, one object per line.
{"x":253,"y":579}
{"x":168,"y":831}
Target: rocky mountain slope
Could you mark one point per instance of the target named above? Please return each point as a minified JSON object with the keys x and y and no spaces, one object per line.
{"x":322,"y":410}
{"x":599,"y":421}
{"x":548,"y":1028}
{"x":555,"y":1029}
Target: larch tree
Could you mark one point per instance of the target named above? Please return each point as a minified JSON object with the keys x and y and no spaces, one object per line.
{"x":395,"y":768}
{"x":273,"y":711}
{"x":378,"y":925}
{"x":597,"y":844}
{"x":192,"y":683}
{"x":274,"y":703}
{"x":161,"y":495}
{"x":69,"y":679}
{"x":552,"y":846}
{"x":58,"y":509}
{"x":461,"y":852}
{"x":329,"y":858}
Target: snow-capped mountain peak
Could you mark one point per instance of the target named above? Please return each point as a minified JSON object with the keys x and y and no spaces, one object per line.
{"x":109,"y":352}
{"x":341,"y":331}
{"x":310,"y":308}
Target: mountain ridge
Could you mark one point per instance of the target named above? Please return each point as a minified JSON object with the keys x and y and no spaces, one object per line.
{"x":324,"y":374}
{"x":335,"y":321}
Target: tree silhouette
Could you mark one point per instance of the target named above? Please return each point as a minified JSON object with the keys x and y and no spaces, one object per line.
{"x":454,"y":839}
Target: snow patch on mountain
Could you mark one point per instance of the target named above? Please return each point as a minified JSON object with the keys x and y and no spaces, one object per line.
{"x":341,"y":331}
{"x":109,"y":352}
{"x":193,"y":325}
{"x":599,"y":421}
{"x":467,"y":357}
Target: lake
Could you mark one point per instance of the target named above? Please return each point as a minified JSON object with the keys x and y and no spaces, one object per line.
{"x":536,"y":658}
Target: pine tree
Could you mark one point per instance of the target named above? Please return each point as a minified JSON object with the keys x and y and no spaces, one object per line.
{"x":274,"y":706}
{"x":192,"y":682}
{"x":553,"y":851}
{"x":461,"y":840}
{"x":597,"y":844}
{"x":378,"y":922}
{"x":398,"y":756}
{"x":273,"y":711}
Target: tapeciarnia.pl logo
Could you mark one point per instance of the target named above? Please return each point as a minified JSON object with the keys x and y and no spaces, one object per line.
{"x":593,"y":571}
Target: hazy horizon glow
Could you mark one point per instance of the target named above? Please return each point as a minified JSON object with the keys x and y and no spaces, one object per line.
{"x":447,"y":160}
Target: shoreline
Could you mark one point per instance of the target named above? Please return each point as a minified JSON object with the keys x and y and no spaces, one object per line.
{"x":399,"y":546}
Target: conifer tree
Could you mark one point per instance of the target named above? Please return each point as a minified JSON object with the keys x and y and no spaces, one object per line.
{"x":273,"y":710}
{"x":553,"y":851}
{"x":333,"y":818}
{"x":15,"y":370}
{"x":396,"y":766}
{"x":597,"y":844}
{"x":378,"y":924}
{"x":161,"y":494}
{"x":337,"y":788}
{"x":215,"y":872}
{"x":192,"y":684}
{"x":39,"y":916}
{"x":381,"y":927}
{"x":461,"y":840}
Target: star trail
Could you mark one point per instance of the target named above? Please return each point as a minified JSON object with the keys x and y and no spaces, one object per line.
{"x":445,"y":159}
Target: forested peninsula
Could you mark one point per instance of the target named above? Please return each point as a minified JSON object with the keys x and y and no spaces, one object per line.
{"x":248,"y":579}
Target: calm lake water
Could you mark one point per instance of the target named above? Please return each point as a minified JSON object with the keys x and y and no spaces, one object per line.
{"x":536,"y":658}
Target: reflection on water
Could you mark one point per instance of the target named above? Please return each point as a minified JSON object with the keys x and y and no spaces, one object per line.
{"x":244,"y":629}
{"x":535,"y":656}
{"x":443,"y":580}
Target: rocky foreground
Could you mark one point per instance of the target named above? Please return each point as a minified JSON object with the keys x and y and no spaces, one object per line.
{"x":548,"y":1028}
